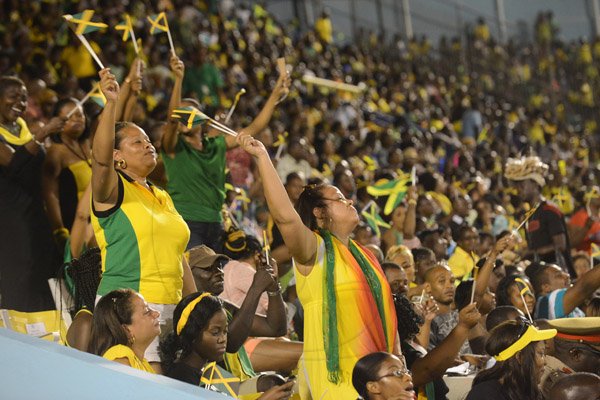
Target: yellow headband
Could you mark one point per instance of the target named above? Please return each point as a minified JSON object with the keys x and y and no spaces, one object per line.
{"x":530,"y":335}
{"x":185,"y":314}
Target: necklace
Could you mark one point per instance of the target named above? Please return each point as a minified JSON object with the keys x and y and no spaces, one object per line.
{"x":76,"y":154}
{"x":13,"y":128}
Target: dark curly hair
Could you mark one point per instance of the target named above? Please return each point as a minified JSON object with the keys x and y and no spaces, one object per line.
{"x":516,"y":374}
{"x":176,"y":347}
{"x":502,"y":291}
{"x":409,"y":321}
{"x":462,"y":296}
{"x":86,"y":272}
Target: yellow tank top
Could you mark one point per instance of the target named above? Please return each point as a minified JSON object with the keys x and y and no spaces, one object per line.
{"x":142,"y":240}
{"x":82,"y":172}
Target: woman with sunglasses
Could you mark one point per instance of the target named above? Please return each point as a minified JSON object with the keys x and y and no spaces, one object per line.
{"x":348,"y":305}
{"x":519,"y":351}
{"x":382,"y":376}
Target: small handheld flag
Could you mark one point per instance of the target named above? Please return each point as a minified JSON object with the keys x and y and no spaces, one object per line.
{"x":280,"y":144}
{"x":396,"y":190}
{"x":82,"y":23}
{"x":374,"y":219}
{"x":159,"y":24}
{"x":522,"y":291}
{"x":189,"y":116}
{"x":95,"y":94}
{"x":127,"y":27}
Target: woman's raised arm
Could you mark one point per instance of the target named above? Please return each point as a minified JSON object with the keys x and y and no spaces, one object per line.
{"x":297,"y":237}
{"x":104,"y":176}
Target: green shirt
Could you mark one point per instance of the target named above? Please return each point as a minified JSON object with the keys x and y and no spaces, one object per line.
{"x":197,"y":179}
{"x":204,"y":81}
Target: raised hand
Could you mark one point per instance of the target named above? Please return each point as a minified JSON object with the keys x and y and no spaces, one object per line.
{"x":55,"y":125}
{"x":263,"y":279}
{"x":252,"y":146}
{"x":177,"y":66}
{"x":469,"y":316}
{"x":109,"y":85}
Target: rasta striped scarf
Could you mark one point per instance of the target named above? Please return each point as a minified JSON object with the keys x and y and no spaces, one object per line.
{"x":375,"y":289}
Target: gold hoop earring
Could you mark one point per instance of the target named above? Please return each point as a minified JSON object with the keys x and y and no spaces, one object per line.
{"x":131,"y":340}
{"x":122,"y":164}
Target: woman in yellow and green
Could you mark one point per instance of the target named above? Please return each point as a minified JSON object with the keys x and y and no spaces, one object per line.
{"x":140,"y":234}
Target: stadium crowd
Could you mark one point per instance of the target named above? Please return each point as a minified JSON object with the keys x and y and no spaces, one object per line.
{"x":348,"y":242}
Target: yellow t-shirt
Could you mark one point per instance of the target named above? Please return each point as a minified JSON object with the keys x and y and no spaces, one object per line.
{"x":121,"y":351}
{"x":142,"y":240}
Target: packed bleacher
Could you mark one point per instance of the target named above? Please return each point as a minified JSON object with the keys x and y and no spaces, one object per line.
{"x":268,"y":212}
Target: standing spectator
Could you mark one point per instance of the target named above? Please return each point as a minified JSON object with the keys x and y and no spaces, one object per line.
{"x":28,"y":256}
{"x":546,"y":231}
{"x":348,"y":306}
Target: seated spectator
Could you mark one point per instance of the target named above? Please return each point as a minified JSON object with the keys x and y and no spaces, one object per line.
{"x":382,"y":376}
{"x":577,"y":386}
{"x":402,"y":256}
{"x":207,"y":268}
{"x":519,"y":351}
{"x":85,"y":273}
{"x":199,"y":337}
{"x":577,"y":343}
{"x":501,"y":314}
{"x":396,"y":277}
{"x":441,"y":281}
{"x":434,"y":240}
{"x":512,"y":290}
{"x":244,"y":253}
{"x":123,"y":328}
{"x":464,"y":259}
{"x":428,"y":367}
{"x":556,"y":297}
{"x":424,"y":259}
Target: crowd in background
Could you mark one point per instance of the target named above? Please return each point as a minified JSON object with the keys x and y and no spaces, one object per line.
{"x":496,"y":134}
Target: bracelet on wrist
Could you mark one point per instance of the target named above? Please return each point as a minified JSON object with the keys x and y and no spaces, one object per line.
{"x":62,"y":230}
{"x":276,"y":292}
{"x":412,"y":202}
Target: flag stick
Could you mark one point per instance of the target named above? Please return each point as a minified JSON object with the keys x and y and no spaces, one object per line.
{"x":527,"y":217}
{"x":423,"y":296}
{"x":366,"y":207}
{"x":80,"y":103}
{"x":170,"y":40}
{"x":216,"y":124}
{"x":473,"y":291}
{"x":234,"y":105}
{"x":222,"y":129}
{"x":413,"y":176}
{"x":525,"y":305}
{"x":279,"y":151}
{"x":266,"y":247}
{"x":90,"y":50}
